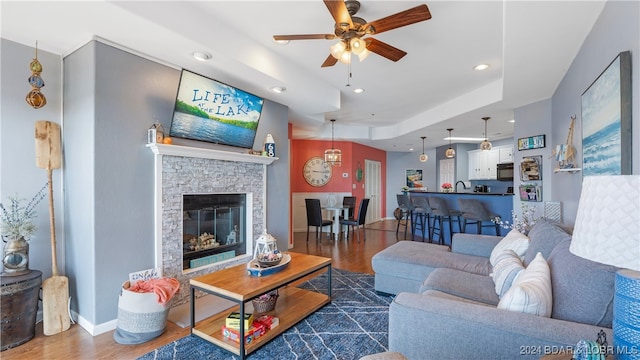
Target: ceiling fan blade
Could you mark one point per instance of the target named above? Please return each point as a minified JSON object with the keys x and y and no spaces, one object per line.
{"x":339,"y":11}
{"x":330,"y":61}
{"x":403,"y":18}
{"x":305,"y":37}
{"x":384,"y":49}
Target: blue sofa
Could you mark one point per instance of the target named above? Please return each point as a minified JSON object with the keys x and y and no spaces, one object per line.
{"x":452,"y":312}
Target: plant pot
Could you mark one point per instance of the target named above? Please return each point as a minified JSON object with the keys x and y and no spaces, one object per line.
{"x":15,"y":257}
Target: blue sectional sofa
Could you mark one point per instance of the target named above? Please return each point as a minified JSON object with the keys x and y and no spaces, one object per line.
{"x":446,"y":303}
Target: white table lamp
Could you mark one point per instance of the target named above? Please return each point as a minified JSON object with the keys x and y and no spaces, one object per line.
{"x":607,"y":230}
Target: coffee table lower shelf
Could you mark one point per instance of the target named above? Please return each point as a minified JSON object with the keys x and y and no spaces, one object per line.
{"x":293,"y":305}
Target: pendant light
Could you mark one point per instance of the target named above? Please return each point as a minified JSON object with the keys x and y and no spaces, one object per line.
{"x":423,"y":156}
{"x":450,"y":153}
{"x":333,"y":156}
{"x":485,"y":145}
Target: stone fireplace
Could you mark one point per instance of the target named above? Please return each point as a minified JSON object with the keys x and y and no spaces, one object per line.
{"x":181,"y":171}
{"x":213,"y":228}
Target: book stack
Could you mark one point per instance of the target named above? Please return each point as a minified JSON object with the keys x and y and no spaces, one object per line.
{"x":253,"y":328}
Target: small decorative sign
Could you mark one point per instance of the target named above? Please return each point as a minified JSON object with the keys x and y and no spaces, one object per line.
{"x":531,"y":142}
{"x":144,"y":275}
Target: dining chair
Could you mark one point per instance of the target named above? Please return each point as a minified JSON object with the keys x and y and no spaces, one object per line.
{"x":314,"y":217}
{"x":350,"y":203}
{"x":355,"y":223}
{"x":474,"y":212}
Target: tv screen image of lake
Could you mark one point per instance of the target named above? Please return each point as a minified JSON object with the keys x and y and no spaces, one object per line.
{"x":197,"y":128}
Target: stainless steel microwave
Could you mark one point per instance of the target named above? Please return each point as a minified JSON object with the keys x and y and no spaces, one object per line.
{"x":505,"y":172}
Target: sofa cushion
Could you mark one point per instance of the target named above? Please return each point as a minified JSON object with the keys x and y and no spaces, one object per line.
{"x":515,"y":241}
{"x":507,"y":268}
{"x":461,"y":284}
{"x":531,"y":292}
{"x":543,"y":238}
{"x":582,"y":289}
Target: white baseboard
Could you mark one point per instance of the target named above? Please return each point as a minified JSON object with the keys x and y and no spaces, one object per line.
{"x":92,"y":328}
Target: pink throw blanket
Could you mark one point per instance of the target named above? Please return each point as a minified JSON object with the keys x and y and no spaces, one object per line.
{"x":164,"y":288}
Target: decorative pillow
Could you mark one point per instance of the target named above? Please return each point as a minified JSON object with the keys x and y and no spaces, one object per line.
{"x":582,"y":289}
{"x":531,"y":292}
{"x":543,"y":237}
{"x":508,"y":267}
{"x":513,"y":241}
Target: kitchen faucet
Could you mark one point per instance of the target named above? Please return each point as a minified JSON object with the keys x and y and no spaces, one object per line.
{"x":463,"y":185}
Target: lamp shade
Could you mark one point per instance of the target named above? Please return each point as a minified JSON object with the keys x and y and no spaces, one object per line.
{"x":607,"y":228}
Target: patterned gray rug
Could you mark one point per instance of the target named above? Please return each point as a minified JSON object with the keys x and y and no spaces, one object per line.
{"x":353,"y":325}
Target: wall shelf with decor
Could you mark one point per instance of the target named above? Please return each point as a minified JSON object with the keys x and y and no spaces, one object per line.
{"x":569,"y":170}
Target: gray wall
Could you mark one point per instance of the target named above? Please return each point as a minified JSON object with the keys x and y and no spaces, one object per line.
{"x":104,"y":193}
{"x":616,"y":30}
{"x":111,"y":98}
{"x":535,"y":119}
{"x":19,"y":174}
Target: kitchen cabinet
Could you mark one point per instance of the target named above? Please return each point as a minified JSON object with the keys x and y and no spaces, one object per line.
{"x":505,"y":154}
{"x":482,"y":164}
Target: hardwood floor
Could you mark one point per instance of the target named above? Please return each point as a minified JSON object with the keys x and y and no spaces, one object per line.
{"x":76,"y":343}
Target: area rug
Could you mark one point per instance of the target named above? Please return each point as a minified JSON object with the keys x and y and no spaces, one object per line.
{"x":354,"y":324}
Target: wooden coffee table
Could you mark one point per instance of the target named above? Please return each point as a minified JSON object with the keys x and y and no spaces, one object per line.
{"x":235,"y":284}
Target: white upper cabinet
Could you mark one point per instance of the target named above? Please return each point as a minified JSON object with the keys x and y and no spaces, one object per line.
{"x":483,"y":164}
{"x":506,"y":154}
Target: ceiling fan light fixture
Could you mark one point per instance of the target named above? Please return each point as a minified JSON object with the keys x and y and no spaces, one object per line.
{"x":423,"y":157}
{"x":333,"y":156}
{"x":358,"y":46}
{"x":485,"y":145}
{"x":364,"y":54}
{"x":450,"y":153}
{"x":338,"y":49}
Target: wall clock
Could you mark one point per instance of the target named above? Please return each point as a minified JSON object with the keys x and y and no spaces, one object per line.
{"x":316,"y":171}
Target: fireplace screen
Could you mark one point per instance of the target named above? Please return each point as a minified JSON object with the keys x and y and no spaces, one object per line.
{"x":213,"y":228}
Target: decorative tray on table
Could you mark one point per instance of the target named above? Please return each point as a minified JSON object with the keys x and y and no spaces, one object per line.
{"x":255,"y":269}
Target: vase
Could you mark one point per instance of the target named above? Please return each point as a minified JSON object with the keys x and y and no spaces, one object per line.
{"x":15,"y":257}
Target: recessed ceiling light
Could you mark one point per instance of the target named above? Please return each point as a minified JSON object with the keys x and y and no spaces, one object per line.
{"x":201,"y":55}
{"x":358,"y":90}
{"x":278,"y":89}
{"x":481,"y":67}
{"x":512,"y":120}
{"x":281,"y":42}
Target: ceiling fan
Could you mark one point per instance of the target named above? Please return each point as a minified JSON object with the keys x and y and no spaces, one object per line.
{"x":351,"y":29}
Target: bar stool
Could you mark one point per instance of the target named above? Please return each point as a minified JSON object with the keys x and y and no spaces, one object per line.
{"x":442,"y":213}
{"x":406,"y":210}
{"x":423,"y":215}
{"x":474,"y":212}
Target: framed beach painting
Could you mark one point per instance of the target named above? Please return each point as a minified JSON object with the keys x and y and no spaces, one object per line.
{"x":606,"y":121}
{"x":414,"y":178}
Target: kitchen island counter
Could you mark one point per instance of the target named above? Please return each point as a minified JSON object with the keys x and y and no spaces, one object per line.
{"x":500,"y":204}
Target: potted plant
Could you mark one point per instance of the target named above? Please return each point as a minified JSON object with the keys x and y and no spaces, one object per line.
{"x":447,"y":187}
{"x":16,"y":227}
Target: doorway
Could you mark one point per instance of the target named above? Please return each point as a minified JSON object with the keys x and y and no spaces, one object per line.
{"x":372,"y":189}
{"x":447,"y":172}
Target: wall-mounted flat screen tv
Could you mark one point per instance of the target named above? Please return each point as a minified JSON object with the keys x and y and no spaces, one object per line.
{"x":207,"y":110}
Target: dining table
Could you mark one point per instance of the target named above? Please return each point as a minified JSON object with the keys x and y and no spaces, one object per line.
{"x":336,"y":211}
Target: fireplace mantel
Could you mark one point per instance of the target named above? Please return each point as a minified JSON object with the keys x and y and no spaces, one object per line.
{"x":195,"y":152}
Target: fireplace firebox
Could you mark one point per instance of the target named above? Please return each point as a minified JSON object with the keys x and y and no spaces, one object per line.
{"x":213,"y":228}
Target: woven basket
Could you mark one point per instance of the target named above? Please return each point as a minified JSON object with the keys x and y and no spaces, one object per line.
{"x":262,"y":306}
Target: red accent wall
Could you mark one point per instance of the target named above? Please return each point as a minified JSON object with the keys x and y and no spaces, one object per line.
{"x":352,"y":153}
